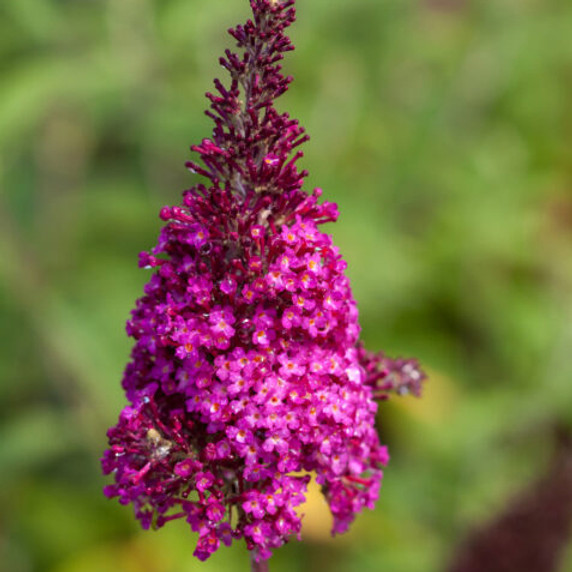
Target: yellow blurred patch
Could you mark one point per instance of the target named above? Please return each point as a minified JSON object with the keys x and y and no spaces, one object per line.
{"x":438,"y":400}
{"x":317,"y":521}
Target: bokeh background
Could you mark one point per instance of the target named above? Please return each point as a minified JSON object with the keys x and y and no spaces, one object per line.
{"x":443,"y":129}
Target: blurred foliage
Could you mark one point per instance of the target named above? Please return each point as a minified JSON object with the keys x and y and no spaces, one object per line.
{"x":443,"y":129}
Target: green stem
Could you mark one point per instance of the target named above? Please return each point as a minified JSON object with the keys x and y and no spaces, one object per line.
{"x":261,"y":566}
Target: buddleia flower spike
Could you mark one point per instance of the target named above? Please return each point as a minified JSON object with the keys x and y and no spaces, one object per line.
{"x":246,"y":377}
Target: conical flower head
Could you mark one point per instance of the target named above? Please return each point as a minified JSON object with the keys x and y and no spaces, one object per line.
{"x":246,"y":376}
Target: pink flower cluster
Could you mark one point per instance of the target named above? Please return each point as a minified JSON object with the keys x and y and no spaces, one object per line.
{"x":246,"y":376}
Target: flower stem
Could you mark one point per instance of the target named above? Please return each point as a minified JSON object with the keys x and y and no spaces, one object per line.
{"x":261,"y":566}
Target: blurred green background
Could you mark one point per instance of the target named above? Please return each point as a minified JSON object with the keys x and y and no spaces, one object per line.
{"x":443,"y":129}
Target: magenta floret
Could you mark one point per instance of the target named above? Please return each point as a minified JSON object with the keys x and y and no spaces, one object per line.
{"x":246,"y":375}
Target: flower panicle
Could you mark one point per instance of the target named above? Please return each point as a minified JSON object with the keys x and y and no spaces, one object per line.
{"x":246,"y":376}
{"x":387,"y":376}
